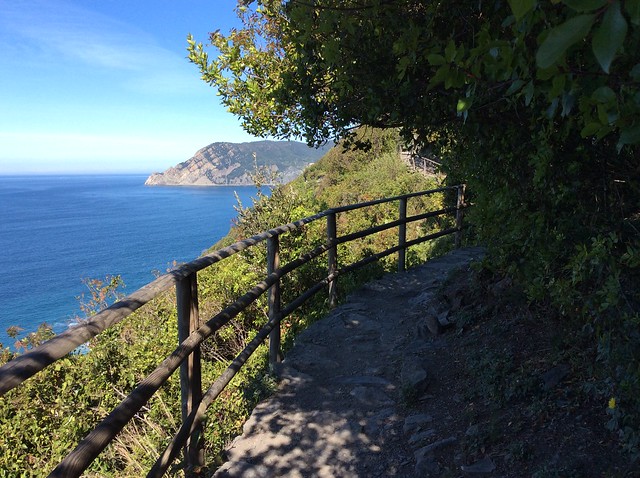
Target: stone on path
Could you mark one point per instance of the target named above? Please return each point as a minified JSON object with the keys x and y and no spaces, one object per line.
{"x":486,"y":465}
{"x":414,"y":377}
{"x":339,"y":410}
{"x":417,"y":422}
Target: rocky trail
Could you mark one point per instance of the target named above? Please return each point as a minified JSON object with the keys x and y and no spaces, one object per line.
{"x":361,"y":392}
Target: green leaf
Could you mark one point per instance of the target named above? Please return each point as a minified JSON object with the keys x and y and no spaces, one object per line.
{"x":635,"y":72}
{"x":609,"y":36}
{"x":515,"y":86}
{"x":528,"y":93}
{"x":463,"y":105}
{"x":557,"y":87}
{"x":544,"y":74}
{"x":402,"y":67}
{"x":521,"y":7}
{"x":440,"y":76}
{"x":603,"y":114}
{"x":633,"y":9}
{"x":630,"y":135}
{"x":561,"y":38}
{"x":604,"y":94}
{"x":551,"y":110}
{"x":585,"y":5}
{"x":568,"y":101}
{"x":450,"y":51}
{"x":507,"y":22}
{"x":435,"y":60}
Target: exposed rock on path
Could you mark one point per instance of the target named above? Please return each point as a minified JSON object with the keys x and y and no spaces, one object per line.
{"x":341,"y":408}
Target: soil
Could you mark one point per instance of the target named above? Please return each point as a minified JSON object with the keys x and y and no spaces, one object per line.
{"x":515,"y":384}
{"x":440,"y":371}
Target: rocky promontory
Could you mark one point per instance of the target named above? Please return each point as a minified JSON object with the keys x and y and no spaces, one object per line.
{"x":221,"y":164}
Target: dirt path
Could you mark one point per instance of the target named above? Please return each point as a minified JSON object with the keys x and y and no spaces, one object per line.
{"x":341,"y":408}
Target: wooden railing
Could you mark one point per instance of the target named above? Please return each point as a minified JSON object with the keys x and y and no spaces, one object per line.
{"x":192,"y":332}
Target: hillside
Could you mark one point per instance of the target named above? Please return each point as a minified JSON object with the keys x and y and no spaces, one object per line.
{"x":225,"y":163}
{"x":516,"y":384}
{"x":73,"y":395}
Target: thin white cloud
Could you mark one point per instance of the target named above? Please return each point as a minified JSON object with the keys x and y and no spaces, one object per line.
{"x":56,"y":31}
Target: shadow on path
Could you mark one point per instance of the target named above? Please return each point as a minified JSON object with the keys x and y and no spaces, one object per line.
{"x":340,"y":410}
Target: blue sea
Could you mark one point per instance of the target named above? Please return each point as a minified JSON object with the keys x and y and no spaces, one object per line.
{"x":56,"y":231}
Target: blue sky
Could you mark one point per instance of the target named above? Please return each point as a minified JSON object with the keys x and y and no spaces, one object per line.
{"x":104,"y":85}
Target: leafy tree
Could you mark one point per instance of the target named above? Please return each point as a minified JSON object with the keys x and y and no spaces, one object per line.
{"x":535,"y":104}
{"x":418,"y":64}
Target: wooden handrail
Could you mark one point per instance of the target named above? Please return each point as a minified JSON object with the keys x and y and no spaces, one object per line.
{"x":192,"y":334}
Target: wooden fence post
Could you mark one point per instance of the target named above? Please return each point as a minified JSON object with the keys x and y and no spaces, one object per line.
{"x":273,"y":263}
{"x":459,"y":213}
{"x":190,"y":370}
{"x":402,"y":235}
{"x":332,"y":258}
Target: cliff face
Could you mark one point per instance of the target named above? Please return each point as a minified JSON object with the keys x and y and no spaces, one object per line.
{"x":222,"y":164}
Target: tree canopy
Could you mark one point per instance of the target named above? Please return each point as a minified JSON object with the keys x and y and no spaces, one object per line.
{"x":535,"y":104}
{"x":316,"y":69}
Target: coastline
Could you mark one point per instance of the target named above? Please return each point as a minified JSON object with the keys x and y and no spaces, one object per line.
{"x":59,"y":229}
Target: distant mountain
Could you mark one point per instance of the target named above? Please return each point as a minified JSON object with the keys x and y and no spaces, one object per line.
{"x":222,"y":164}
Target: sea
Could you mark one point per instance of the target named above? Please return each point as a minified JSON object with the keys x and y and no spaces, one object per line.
{"x":58,"y":231}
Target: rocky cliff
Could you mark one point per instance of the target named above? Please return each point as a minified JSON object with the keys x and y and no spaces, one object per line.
{"x":220,"y":164}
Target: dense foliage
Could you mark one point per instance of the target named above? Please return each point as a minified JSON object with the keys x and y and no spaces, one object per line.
{"x":534,"y":104}
{"x":45,"y":417}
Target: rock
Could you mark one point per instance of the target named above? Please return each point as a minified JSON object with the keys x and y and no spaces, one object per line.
{"x":353,"y":305}
{"x":374,"y":424}
{"x":234,"y":163}
{"x":364,"y":380}
{"x":455,"y":290}
{"x":310,"y":364}
{"x":429,"y":325}
{"x":372,"y":397}
{"x":429,"y":449}
{"x":416,"y":347}
{"x":368,"y":336}
{"x":501,"y":287}
{"x":233,"y":469}
{"x":414,"y":423}
{"x":413,"y":377}
{"x":374,"y":370}
{"x":485,"y":465}
{"x":443,"y":320}
{"x":423,"y":298}
{"x":456,"y":303}
{"x":309,"y":358}
{"x":376,"y":286}
{"x":553,"y":377}
{"x":427,"y":466}
{"x":291,"y":376}
{"x":472,"y":431}
{"x":434,"y":322}
{"x":421,"y":436}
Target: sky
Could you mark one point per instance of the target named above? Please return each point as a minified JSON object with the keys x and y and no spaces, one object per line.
{"x":104,"y":86}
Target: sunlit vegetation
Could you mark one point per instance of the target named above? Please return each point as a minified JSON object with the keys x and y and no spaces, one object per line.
{"x":46,"y":416}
